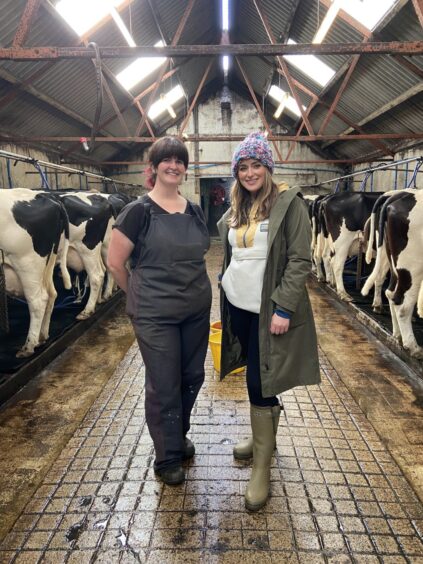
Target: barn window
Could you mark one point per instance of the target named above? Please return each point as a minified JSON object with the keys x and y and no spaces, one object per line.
{"x":311,"y":66}
{"x":82,"y":15}
{"x":280,"y":96}
{"x":368,"y":12}
{"x":166,"y":101}
{"x":140,"y":69}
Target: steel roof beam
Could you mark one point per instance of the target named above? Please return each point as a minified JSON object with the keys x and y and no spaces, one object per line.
{"x":194,"y":100}
{"x":388,"y":106}
{"x":257,"y":105}
{"x":242,"y":50}
{"x":175,"y":40}
{"x":418,"y":6}
{"x":28,"y":16}
{"x":282,"y":63}
{"x":240,"y":137}
{"x":5,"y":75}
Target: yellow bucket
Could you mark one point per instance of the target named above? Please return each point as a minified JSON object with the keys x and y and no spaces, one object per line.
{"x":215,"y":343}
{"x":215,"y":326}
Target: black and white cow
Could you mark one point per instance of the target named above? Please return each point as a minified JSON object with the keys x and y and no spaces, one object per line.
{"x":31,"y":228}
{"x":401,"y":239}
{"x":90,"y":218}
{"x":376,"y":245}
{"x":342,"y":217}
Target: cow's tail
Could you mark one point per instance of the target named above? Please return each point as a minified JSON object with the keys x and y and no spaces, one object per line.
{"x":322,"y":235}
{"x":371,"y":241}
{"x":313,"y":233}
{"x":380,"y":245}
{"x":64,"y":252}
{"x":48,"y":271}
{"x":420,"y":301}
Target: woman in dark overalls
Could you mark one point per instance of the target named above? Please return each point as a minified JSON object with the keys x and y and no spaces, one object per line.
{"x":168,"y":300}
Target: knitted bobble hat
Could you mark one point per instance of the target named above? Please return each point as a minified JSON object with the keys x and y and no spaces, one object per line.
{"x":254,"y":146}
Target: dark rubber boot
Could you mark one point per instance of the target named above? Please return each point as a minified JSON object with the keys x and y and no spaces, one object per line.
{"x":172,"y":476}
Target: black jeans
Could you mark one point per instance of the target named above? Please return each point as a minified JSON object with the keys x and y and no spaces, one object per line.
{"x":245,"y":326}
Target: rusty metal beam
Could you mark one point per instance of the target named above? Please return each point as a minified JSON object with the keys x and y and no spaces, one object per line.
{"x":27,"y":18}
{"x":107,"y":18}
{"x":413,"y":91}
{"x":241,"y":50}
{"x":341,"y":89}
{"x":257,"y":105}
{"x":285,"y":33}
{"x":409,"y":65}
{"x":240,"y":137}
{"x":194,"y":100}
{"x":164,"y":36}
{"x":343,"y":15}
{"x":308,"y":111}
{"x":418,"y":6}
{"x":175,"y":40}
{"x":115,"y":106}
{"x":198,"y":163}
{"x":376,"y":35}
{"x":144,"y":115}
{"x":355,"y":126}
{"x":282,"y":63}
{"x":5,"y":75}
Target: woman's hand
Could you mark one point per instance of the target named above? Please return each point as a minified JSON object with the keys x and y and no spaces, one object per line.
{"x":279,"y":325}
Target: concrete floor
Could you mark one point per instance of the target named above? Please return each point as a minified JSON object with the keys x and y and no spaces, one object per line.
{"x":77,"y":485}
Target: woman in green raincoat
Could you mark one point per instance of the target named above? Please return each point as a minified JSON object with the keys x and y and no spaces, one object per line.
{"x":267,"y":320}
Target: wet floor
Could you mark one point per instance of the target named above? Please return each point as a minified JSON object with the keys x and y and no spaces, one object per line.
{"x":346,"y":477}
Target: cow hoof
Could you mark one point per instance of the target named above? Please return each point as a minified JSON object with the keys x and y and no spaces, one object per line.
{"x":416,"y":353}
{"x":24,"y":353}
{"x":345,"y":297}
{"x":378,"y":309}
{"x":81,"y":316}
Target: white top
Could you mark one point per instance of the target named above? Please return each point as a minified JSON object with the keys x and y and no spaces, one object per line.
{"x":243,"y":279}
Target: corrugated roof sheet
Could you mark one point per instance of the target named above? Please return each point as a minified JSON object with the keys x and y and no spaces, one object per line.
{"x":376,"y":81}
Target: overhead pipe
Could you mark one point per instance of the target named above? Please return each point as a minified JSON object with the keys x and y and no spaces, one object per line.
{"x":70,"y":170}
{"x":370,"y":170}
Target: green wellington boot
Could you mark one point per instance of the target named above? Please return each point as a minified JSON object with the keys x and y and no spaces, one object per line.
{"x":244,"y":449}
{"x":264,"y":431}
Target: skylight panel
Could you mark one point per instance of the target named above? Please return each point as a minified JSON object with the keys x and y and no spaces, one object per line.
{"x":82,"y":15}
{"x":140,"y":69}
{"x":310,"y":65}
{"x":166,"y":102}
{"x":327,"y":21}
{"x":281,"y":96}
{"x":367,"y":12}
{"x":225,"y":15}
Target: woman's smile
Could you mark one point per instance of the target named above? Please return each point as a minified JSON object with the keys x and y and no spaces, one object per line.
{"x":251,"y":174}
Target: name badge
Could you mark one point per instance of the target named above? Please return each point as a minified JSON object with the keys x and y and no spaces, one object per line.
{"x":264,"y":227}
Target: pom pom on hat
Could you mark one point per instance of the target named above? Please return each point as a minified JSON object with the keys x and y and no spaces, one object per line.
{"x":254,"y":146}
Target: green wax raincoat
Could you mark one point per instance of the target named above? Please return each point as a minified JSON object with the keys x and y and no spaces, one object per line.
{"x":291,"y":359}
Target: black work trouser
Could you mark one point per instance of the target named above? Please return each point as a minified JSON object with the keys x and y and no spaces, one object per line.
{"x":245,"y":326}
{"x":174,"y":355}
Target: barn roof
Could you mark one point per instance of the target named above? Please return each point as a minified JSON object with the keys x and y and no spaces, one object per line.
{"x":378,"y":94}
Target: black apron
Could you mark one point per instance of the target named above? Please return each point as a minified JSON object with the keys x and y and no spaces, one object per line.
{"x":169,"y":281}
{"x":169,"y":300}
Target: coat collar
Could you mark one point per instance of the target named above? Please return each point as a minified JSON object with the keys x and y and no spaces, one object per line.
{"x":279,"y":211}
{"x":286,"y":195}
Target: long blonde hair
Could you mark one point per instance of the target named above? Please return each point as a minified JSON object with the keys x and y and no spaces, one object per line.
{"x":246,"y":208}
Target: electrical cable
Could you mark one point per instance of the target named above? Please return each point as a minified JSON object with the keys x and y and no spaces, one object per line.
{"x":99,"y":87}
